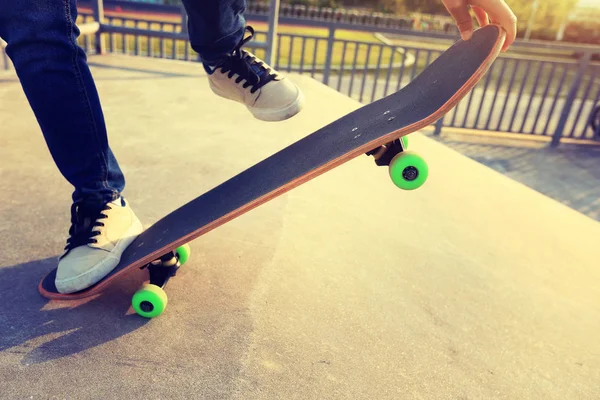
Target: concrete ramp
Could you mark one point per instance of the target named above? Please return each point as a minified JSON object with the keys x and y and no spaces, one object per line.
{"x":472,"y":287}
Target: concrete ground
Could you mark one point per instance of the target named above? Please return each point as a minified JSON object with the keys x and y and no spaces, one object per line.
{"x":344,"y":288}
{"x":569,"y":173}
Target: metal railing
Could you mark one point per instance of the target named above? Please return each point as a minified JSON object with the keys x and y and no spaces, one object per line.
{"x":533,"y":97}
{"x":540,"y":95}
{"x":303,"y":13}
{"x":537,"y":94}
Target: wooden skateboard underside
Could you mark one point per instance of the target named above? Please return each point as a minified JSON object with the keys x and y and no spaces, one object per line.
{"x":423,"y":101}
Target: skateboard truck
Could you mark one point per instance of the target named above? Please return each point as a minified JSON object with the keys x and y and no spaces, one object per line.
{"x":383,"y":155}
{"x":163,"y":269}
{"x":408,"y":170}
{"x":151,"y":299}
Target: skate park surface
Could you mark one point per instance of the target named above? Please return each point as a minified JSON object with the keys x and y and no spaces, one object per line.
{"x":472,"y":287}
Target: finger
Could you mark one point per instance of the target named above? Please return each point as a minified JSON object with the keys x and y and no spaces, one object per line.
{"x":481,"y":15}
{"x":500,"y":14}
{"x":460,"y":12}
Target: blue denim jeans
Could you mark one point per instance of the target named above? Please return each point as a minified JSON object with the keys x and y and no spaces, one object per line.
{"x":53,"y":71}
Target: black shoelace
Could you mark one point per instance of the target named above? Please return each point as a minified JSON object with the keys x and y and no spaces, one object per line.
{"x":246,"y":65}
{"x":84,"y":220}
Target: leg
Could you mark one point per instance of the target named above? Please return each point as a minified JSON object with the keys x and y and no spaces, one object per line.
{"x":41,"y":37}
{"x":215,"y":27}
{"x":216,"y":30}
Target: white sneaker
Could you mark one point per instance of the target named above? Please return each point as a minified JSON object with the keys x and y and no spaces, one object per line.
{"x":245,"y":78}
{"x":97,"y":238}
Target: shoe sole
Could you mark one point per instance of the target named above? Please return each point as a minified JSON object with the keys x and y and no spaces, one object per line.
{"x":281,"y":114}
{"x":271,"y":115}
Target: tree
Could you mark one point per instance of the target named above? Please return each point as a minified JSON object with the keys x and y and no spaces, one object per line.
{"x":548,"y":18}
{"x":547,"y":21}
{"x":422,"y":6}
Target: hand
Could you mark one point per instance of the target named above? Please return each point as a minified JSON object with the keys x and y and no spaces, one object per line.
{"x":496,"y":10}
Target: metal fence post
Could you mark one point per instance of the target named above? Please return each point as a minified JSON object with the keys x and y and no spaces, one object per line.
{"x":184,"y":26}
{"x":329,"y":55}
{"x":564,"y":116}
{"x":271,"y":50}
{"x":439,"y":124}
{"x":98,"y":10}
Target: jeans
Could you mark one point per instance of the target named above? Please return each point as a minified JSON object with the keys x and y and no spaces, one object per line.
{"x":41,"y":42}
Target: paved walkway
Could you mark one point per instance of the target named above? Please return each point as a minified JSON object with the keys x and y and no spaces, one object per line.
{"x":569,"y":174}
{"x":344,"y":288}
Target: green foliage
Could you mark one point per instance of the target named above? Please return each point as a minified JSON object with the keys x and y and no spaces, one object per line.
{"x":549,"y":17}
{"x":317,"y":3}
{"x":422,"y":6}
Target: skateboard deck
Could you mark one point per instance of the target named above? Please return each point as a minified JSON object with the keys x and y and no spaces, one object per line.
{"x":374,"y":129}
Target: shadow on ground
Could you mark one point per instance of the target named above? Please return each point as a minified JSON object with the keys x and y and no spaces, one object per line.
{"x":42,"y":331}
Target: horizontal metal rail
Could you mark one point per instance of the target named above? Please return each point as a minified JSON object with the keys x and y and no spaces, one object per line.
{"x":525,"y":93}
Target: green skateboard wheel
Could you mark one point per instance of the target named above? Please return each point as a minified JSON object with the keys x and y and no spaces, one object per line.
{"x":404,"y":140}
{"x":183,"y":253}
{"x":150,"y":301}
{"x":408,"y":170}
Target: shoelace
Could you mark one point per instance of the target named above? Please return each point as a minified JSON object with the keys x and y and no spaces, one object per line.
{"x":243,"y":63}
{"x":84,"y":220}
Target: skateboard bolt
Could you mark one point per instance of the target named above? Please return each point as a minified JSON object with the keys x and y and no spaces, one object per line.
{"x":146,"y":306}
{"x":410,"y":173}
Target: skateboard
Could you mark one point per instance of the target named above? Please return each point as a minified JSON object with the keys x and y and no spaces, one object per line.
{"x":377,"y":130}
